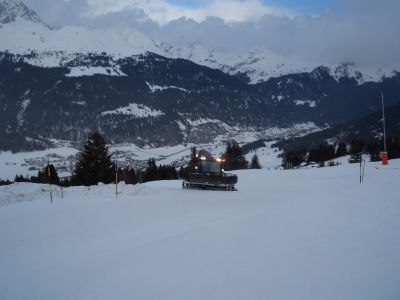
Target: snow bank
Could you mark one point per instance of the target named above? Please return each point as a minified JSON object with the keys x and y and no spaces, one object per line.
{"x":303,"y":234}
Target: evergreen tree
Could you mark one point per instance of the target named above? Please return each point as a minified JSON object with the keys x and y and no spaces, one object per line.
{"x":65,"y":182}
{"x":162,"y":172}
{"x":321,"y":154}
{"x":167,"y":172}
{"x":255,"y":163}
{"x":341,"y":150}
{"x":293,"y":158}
{"x":5,"y":182}
{"x":393,"y":146}
{"x":20,"y":178}
{"x":172,"y":173}
{"x":130,"y":176}
{"x":193,"y":158}
{"x":94,"y":163}
{"x":374,"y":150}
{"x":228,"y":156}
{"x":151,"y":172}
{"x":356,"y":150}
{"x":234,"y":157}
{"x":330,"y":152}
{"x":43,"y":175}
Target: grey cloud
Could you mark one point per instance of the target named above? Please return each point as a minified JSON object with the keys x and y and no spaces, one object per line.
{"x":59,"y":12}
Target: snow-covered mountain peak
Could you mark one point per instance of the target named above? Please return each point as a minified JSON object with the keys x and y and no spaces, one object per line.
{"x":23,"y":32}
{"x":320,"y":72}
{"x":11,"y":10}
{"x":196,"y":52}
{"x":24,"y":37}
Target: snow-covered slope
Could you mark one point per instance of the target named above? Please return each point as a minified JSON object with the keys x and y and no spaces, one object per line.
{"x":11,"y":10}
{"x":261,"y":64}
{"x":135,"y":110}
{"x":303,"y":234}
{"x":24,"y":36}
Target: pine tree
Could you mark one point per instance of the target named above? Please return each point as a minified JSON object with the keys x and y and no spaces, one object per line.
{"x":341,"y":150}
{"x":172,"y":173}
{"x":193,"y":158}
{"x":5,"y":182}
{"x":227,"y":155}
{"x":356,"y":150}
{"x":162,"y":172}
{"x":151,"y":172}
{"x":167,"y":172}
{"x":331,"y":152}
{"x":130,"y":176}
{"x":255,"y":163}
{"x":43,"y":175}
{"x":65,"y":182}
{"x":323,"y":153}
{"x":94,"y":163}
{"x":234,"y":157}
{"x":293,"y":158}
{"x":393,"y":146}
{"x":374,"y":150}
{"x":20,"y":178}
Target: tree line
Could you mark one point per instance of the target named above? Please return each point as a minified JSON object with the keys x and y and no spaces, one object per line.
{"x":326,"y":152}
{"x":234,"y":158}
{"x":94,"y":165}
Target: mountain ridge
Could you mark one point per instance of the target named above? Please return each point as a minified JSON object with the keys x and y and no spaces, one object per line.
{"x":194,"y":103}
{"x":26,"y":32}
{"x":11,"y":10}
{"x":368,"y":128}
{"x":64,"y":83}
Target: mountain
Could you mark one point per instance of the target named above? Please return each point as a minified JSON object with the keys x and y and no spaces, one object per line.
{"x":149,"y":99}
{"x":11,"y":10}
{"x":64,"y":83}
{"x":368,"y":128}
{"x":55,"y":46}
{"x":259,"y":65}
{"x":23,"y":31}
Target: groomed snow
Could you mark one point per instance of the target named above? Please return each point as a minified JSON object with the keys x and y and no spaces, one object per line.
{"x":302,"y":234}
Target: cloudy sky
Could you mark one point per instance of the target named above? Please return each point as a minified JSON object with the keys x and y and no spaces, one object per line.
{"x":335,"y":31}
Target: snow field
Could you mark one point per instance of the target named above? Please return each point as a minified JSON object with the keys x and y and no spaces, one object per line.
{"x":302,"y":234}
